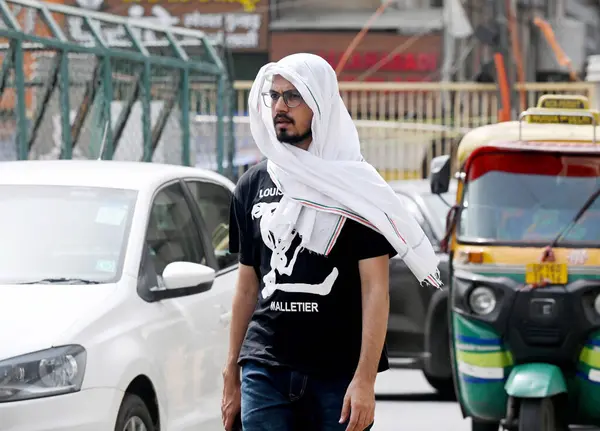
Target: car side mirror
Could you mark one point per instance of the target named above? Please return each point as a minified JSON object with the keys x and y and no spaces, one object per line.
{"x":185,"y":279}
{"x":179,"y":275}
{"x":439,"y":177}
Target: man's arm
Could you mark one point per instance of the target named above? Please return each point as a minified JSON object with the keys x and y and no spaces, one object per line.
{"x":241,"y":241}
{"x":244,"y":302}
{"x":374,"y":277}
{"x":359,"y":401}
{"x":246,"y":292}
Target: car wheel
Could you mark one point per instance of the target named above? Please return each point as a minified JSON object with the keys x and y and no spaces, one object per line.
{"x":134,"y":415}
{"x":437,"y":361}
{"x":484,"y":426}
{"x":443,"y":386}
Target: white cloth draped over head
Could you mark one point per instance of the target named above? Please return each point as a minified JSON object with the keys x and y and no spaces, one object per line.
{"x":330,"y":182}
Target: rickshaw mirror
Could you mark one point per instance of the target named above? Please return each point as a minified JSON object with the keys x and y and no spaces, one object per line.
{"x":439,"y":177}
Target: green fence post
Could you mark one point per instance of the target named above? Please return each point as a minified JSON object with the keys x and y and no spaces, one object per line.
{"x":107,"y":95}
{"x":66,"y":151}
{"x":23,"y":151}
{"x":185,"y":117}
{"x":146,"y":112}
{"x":65,"y":112}
{"x":221,"y":101}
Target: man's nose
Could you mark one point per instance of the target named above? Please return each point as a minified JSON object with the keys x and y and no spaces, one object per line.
{"x":280,"y":105}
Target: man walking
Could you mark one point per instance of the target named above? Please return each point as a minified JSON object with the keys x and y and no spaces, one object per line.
{"x":315,"y":226}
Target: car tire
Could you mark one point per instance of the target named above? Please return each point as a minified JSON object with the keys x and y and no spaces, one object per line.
{"x":133,"y":410}
{"x":484,"y":426}
{"x":437,"y":363}
{"x":443,"y":386}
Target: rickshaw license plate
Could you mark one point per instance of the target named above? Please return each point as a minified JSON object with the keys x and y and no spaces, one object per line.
{"x":554,"y":273}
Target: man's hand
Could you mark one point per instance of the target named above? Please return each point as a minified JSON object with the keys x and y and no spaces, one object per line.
{"x":359,"y":404}
{"x":232,"y":397}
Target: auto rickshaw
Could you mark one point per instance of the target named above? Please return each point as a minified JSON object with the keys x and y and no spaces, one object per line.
{"x":524,"y":293}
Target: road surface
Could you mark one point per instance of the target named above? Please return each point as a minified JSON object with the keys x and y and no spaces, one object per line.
{"x":405,"y":401}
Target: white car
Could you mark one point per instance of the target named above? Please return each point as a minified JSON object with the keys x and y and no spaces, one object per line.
{"x":91,"y":338}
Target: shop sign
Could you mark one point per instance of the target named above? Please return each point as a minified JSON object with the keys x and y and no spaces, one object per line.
{"x":243,"y":26}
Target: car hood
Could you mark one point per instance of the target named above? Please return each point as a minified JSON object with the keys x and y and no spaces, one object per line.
{"x":34,"y":316}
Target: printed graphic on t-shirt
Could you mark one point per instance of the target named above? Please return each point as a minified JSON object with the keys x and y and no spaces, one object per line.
{"x":309,"y":310}
{"x":283,"y":262}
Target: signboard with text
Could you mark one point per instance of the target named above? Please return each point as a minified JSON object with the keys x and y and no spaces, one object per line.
{"x":376,"y":58}
{"x":241,"y":24}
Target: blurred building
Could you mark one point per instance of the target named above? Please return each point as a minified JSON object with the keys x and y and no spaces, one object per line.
{"x":575,"y":23}
{"x":240,"y":25}
{"x":408,"y":35}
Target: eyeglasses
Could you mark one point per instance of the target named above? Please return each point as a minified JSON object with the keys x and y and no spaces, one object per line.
{"x":290,"y":97}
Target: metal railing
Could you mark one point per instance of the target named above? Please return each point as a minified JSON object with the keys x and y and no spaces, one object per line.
{"x":67,"y":73}
{"x":401,"y":125}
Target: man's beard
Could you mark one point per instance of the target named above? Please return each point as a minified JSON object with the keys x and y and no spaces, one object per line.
{"x":283,"y":137}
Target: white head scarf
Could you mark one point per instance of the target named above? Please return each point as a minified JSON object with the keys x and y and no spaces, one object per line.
{"x":331,"y":181}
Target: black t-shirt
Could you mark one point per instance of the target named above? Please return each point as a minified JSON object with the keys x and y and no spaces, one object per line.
{"x":316,"y":333}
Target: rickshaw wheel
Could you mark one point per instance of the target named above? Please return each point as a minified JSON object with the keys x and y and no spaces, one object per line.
{"x":537,"y":415}
{"x":484,"y":426}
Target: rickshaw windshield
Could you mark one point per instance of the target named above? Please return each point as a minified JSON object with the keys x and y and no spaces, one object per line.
{"x":528,"y":197}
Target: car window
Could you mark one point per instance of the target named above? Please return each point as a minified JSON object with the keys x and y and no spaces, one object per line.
{"x":213,"y":202}
{"x":172,"y":235}
{"x":414,"y":209}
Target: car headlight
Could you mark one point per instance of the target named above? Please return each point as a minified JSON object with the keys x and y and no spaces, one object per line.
{"x":482,"y":300}
{"x":597,"y":304}
{"x":45,"y":373}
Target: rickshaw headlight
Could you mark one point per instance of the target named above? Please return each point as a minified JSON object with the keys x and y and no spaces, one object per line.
{"x":482,"y":300}
{"x":597,"y":304}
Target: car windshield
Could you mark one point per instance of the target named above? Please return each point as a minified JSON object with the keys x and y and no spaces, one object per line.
{"x":63,"y":233}
{"x":530,"y":197}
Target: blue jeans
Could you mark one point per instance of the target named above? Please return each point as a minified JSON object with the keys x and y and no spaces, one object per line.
{"x":278,"y":399}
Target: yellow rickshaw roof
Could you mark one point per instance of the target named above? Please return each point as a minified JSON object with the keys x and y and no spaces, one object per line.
{"x":556,"y":118}
{"x":509,"y":131}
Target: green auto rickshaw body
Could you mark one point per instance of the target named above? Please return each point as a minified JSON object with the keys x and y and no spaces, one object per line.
{"x":492,"y":363}
{"x":540,"y":341}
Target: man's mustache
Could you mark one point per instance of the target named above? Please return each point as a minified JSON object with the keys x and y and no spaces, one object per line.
{"x":282,"y":117}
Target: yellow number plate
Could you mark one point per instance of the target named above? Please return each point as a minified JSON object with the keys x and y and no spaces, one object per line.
{"x":555,"y":273}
